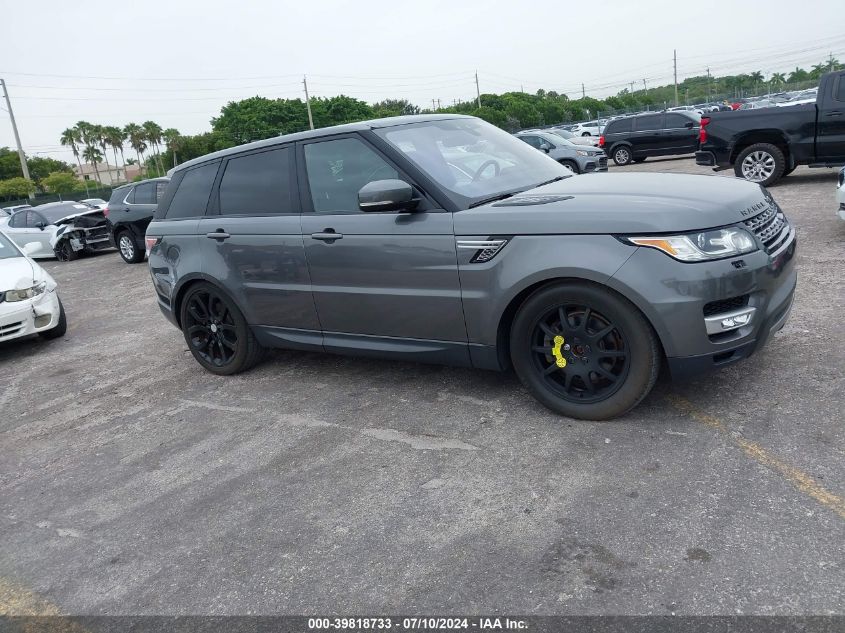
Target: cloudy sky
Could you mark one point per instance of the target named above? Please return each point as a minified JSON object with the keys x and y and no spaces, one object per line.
{"x":178,"y":62}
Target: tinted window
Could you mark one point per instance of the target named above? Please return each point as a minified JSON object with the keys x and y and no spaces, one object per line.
{"x":32,"y":219}
{"x":621,"y":125}
{"x":533,"y":141}
{"x":18,"y":221}
{"x":191,"y":197}
{"x":651,"y":122}
{"x":117,"y":196}
{"x":839,"y":95}
{"x":144,"y":194}
{"x":161,"y":185}
{"x":675,"y":121}
{"x":257,"y":183}
{"x":338,"y":169}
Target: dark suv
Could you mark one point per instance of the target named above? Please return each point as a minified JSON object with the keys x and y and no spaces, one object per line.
{"x":635,"y":138}
{"x":129,"y":211}
{"x":444,"y":239}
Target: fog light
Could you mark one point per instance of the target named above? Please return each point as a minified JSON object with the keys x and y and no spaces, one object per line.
{"x":44,"y":319}
{"x":728,"y":321}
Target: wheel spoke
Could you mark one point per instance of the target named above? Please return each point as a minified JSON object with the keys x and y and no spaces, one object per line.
{"x":551,"y":368}
{"x":601,"y":371}
{"x":602,"y":333}
{"x":541,"y":350}
{"x":561,"y":313}
{"x":547,"y":330}
{"x":585,"y":319}
{"x":198,"y":316}
{"x":197,"y":328}
{"x":610,"y":353}
{"x":588,"y":384}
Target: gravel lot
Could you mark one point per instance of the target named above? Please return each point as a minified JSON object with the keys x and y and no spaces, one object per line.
{"x":132,"y":482}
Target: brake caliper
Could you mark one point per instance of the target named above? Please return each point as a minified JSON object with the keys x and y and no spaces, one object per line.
{"x":560,"y":361}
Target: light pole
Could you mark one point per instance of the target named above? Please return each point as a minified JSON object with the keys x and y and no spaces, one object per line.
{"x":21,"y":155}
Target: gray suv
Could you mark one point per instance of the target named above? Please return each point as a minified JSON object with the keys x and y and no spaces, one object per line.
{"x":579,"y":158}
{"x":444,"y":239}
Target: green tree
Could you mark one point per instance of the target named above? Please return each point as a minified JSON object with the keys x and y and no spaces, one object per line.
{"x":797,"y":75}
{"x":17,"y":187}
{"x":152,"y":132}
{"x":115,"y":138}
{"x":89,"y":135}
{"x":61,"y":182}
{"x":171,"y":138}
{"x":135,"y":134}
{"x":72,"y":138}
{"x":394,"y":107}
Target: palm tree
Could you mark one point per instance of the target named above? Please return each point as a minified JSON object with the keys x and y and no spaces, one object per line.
{"x":818,"y":70}
{"x":799,"y":74}
{"x":114,"y":138}
{"x":87,"y":133}
{"x":135,"y":134}
{"x":70,"y":138}
{"x":92,"y":154}
{"x":778,"y":79}
{"x":152,"y":131}
{"x":99,"y":133}
{"x":171,"y":137}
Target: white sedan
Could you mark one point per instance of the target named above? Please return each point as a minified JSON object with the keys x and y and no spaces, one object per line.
{"x":840,"y":194}
{"x":29,"y":302}
{"x":64,"y":229}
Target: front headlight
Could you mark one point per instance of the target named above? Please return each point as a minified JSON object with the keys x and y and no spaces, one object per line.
{"x":696,"y":247}
{"x":26,"y":293}
{"x":581,"y":152}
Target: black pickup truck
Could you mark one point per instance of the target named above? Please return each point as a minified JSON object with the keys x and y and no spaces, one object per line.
{"x":765,"y":144}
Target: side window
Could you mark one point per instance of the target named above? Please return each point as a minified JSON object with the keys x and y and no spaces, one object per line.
{"x":620,"y":125}
{"x":257,"y":183}
{"x":839,"y":93}
{"x":191,"y":198}
{"x":130,"y":199}
{"x":144,"y":193}
{"x":338,"y":169}
{"x":18,"y":221}
{"x":677,"y":121}
{"x":161,"y":185}
{"x":32,"y":219}
{"x":651,"y":122}
{"x":533,"y":141}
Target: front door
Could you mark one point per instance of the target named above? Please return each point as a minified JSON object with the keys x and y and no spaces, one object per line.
{"x":385,"y":281}
{"x":646,"y":137}
{"x":680,"y":136}
{"x":831,"y":125}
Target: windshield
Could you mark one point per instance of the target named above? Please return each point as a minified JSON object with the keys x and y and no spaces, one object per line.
{"x":563,"y":133}
{"x":7,"y":249}
{"x":471,"y":158}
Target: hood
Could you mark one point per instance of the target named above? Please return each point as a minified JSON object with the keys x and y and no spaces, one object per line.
{"x":617,"y":203}
{"x":72,"y":216}
{"x":16,"y":272}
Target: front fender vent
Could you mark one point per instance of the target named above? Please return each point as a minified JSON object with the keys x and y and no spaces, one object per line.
{"x":485,"y":250}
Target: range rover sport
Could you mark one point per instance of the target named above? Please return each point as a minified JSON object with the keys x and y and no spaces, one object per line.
{"x":444,"y":239}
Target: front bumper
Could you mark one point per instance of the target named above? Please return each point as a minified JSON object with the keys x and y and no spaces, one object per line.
{"x":589,"y":164}
{"x":677,"y":298}
{"x":23,"y":318}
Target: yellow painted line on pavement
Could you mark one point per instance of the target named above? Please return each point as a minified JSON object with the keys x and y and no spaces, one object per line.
{"x":797,"y":477}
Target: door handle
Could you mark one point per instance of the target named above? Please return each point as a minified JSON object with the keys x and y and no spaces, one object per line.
{"x":219,"y":234}
{"x":327,"y":235}
{"x":834,"y":113}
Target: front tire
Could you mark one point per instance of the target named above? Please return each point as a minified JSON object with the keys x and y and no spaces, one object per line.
{"x":583,"y":351}
{"x":572,"y":165}
{"x":127,"y":248}
{"x":762,"y":163}
{"x":622,"y":155}
{"x":65,"y":253}
{"x":60,"y":328}
{"x":216,"y":331}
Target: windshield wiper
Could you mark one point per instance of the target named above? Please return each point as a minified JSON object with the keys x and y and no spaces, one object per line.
{"x":496,"y":198}
{"x":548,"y":182}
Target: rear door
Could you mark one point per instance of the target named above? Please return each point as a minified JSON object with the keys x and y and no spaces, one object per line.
{"x":383,"y":281}
{"x":831,"y":122}
{"x":680,"y":136}
{"x":252,"y":243}
{"x":646,"y":137}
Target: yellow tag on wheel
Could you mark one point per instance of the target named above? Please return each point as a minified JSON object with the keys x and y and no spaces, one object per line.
{"x":560,"y":361}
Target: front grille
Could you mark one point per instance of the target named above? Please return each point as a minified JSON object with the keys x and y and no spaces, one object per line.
{"x":603,"y":162}
{"x":10,"y":328}
{"x":771,"y":227}
{"x":725,"y":305}
{"x":590,"y":167}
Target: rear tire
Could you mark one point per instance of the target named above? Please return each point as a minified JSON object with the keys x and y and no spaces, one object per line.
{"x":622,"y":155}
{"x":216,"y":331}
{"x":583,"y":351}
{"x":762,"y":163}
{"x":59,"y":329}
{"x":572,"y":165}
{"x":128,"y":249}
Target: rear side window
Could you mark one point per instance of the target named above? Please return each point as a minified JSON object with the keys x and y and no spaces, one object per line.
{"x":622,"y":125}
{"x":161,"y":185}
{"x":651,"y":122}
{"x":533,"y":141}
{"x":257,"y":184}
{"x":144,"y":194}
{"x":117,"y":195}
{"x":839,"y":93}
{"x":191,"y":196}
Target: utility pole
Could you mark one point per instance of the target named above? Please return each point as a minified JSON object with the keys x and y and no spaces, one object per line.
{"x":645,"y":88}
{"x":831,"y":63}
{"x":21,"y":155}
{"x":308,"y":102}
{"x":709,"y":89}
{"x":438,"y":104}
{"x":632,"y":87}
{"x":433,"y":106}
{"x":477,"y":89}
{"x":583,"y":92}
{"x":675,"y":58}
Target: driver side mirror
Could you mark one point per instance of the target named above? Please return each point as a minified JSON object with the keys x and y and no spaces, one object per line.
{"x":40,"y":225}
{"x":689,"y":124}
{"x":545,"y":147}
{"x":387,"y":195}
